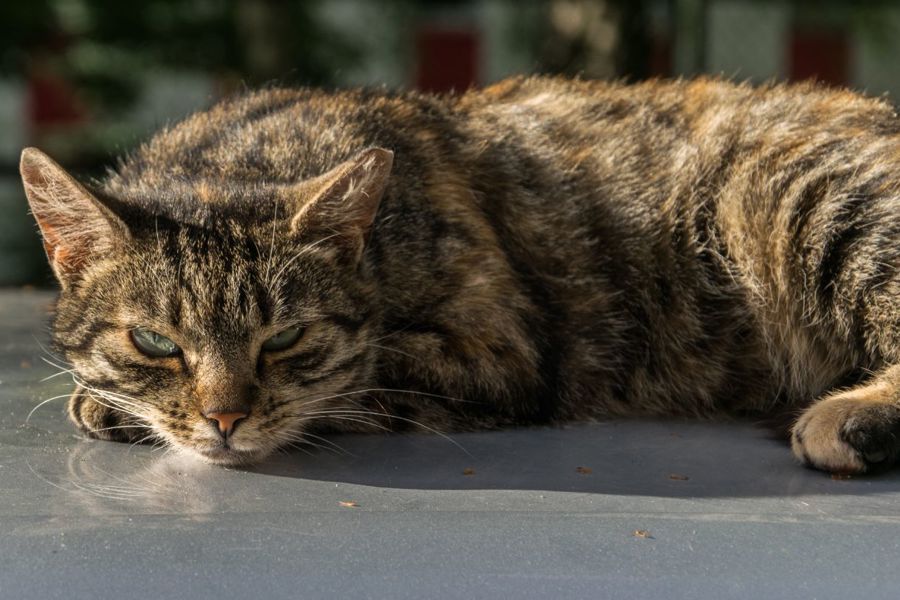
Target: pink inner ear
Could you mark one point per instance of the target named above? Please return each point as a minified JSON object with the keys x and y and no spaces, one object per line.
{"x":73,"y":225}
{"x":69,"y":258}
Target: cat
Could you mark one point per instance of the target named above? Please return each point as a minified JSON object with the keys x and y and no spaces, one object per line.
{"x":540,"y":251}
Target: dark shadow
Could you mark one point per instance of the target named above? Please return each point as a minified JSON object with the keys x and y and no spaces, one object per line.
{"x":637,"y":458}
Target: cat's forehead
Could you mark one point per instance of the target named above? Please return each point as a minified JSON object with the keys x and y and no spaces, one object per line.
{"x":223,"y":276}
{"x":203,"y":204}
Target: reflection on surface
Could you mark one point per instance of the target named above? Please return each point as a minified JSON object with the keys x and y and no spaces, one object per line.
{"x":688,"y":461}
{"x":162,"y":481}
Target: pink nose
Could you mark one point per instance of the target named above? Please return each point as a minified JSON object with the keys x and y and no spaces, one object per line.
{"x":226,"y":421}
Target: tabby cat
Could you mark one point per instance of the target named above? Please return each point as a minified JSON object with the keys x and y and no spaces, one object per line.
{"x":543,"y":250}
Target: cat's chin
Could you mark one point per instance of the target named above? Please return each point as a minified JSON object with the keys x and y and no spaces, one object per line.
{"x":229,"y":457}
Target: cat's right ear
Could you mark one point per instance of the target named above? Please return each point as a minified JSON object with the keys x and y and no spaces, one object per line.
{"x":75,"y":225}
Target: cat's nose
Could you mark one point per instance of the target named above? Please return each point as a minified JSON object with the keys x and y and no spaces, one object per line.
{"x":226,"y":421}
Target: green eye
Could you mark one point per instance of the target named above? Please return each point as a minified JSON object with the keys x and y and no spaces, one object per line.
{"x":153,"y":344}
{"x":282,"y":340}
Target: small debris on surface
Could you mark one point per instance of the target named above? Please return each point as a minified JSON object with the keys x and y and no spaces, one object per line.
{"x":642,"y":533}
{"x":584,"y":470}
{"x":468,"y":471}
{"x":841,"y":476}
{"x":678,"y":477}
{"x":25,"y":364}
{"x":348,"y":503}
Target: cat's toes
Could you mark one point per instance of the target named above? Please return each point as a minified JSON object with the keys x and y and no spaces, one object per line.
{"x":101,"y":422}
{"x":844,"y":434}
{"x":874,"y":432}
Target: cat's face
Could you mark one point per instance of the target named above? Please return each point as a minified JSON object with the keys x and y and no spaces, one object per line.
{"x":228,"y":340}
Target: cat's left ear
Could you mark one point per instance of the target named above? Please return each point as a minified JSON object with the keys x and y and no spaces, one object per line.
{"x":76,"y":226}
{"x":341,"y":204}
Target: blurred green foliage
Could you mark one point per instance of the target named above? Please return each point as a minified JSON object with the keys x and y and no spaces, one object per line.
{"x":104,"y":45}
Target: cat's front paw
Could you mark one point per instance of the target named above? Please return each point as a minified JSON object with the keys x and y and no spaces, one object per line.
{"x":101,"y":422}
{"x":852,"y":432}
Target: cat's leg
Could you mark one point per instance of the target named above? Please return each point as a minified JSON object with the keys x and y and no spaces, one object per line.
{"x":100,"y":421}
{"x":837,"y":267}
{"x":853,"y":430}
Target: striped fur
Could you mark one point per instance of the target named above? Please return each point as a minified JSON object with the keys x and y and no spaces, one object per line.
{"x":544,"y":250}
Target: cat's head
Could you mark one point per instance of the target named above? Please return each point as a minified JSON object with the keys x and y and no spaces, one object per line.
{"x":226,"y":333}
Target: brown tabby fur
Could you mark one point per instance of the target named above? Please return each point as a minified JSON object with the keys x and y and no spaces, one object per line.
{"x":543,"y":250}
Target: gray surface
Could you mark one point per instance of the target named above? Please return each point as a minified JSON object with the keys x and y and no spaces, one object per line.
{"x":83,"y":519}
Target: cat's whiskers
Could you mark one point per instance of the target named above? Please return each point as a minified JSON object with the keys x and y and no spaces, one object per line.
{"x":61,"y":371}
{"x":394,"y":391}
{"x":114,"y":406}
{"x":333,"y":413}
{"x":56,"y":365}
{"x":49,"y":353}
{"x":119,"y":427}
{"x":55,"y":375}
{"x":80,"y":381}
{"x":42,"y":403}
{"x":114,"y":397}
{"x":334,"y":446}
{"x":302,"y":437}
{"x":338,"y":417}
{"x":292,"y":443}
{"x":142,"y":440}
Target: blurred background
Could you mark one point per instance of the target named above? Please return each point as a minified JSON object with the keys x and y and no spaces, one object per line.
{"x":85,"y":80}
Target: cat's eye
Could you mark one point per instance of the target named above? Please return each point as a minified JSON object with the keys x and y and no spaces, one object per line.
{"x":283,"y":339}
{"x":153,"y":344}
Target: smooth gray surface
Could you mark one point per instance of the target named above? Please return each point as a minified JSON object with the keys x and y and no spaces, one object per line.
{"x":84,"y":519}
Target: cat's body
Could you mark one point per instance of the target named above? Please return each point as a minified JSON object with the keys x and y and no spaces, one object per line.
{"x":542,"y":250}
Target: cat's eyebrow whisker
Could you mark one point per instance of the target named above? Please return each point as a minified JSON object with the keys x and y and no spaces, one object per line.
{"x":389,"y":349}
{"x":272,"y":244}
{"x":302,"y":252}
{"x":393,"y":333}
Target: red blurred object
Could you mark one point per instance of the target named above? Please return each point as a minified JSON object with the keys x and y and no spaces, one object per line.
{"x":448,"y":59}
{"x":820,"y":55}
{"x":53,"y":101}
{"x":660,"y":56}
